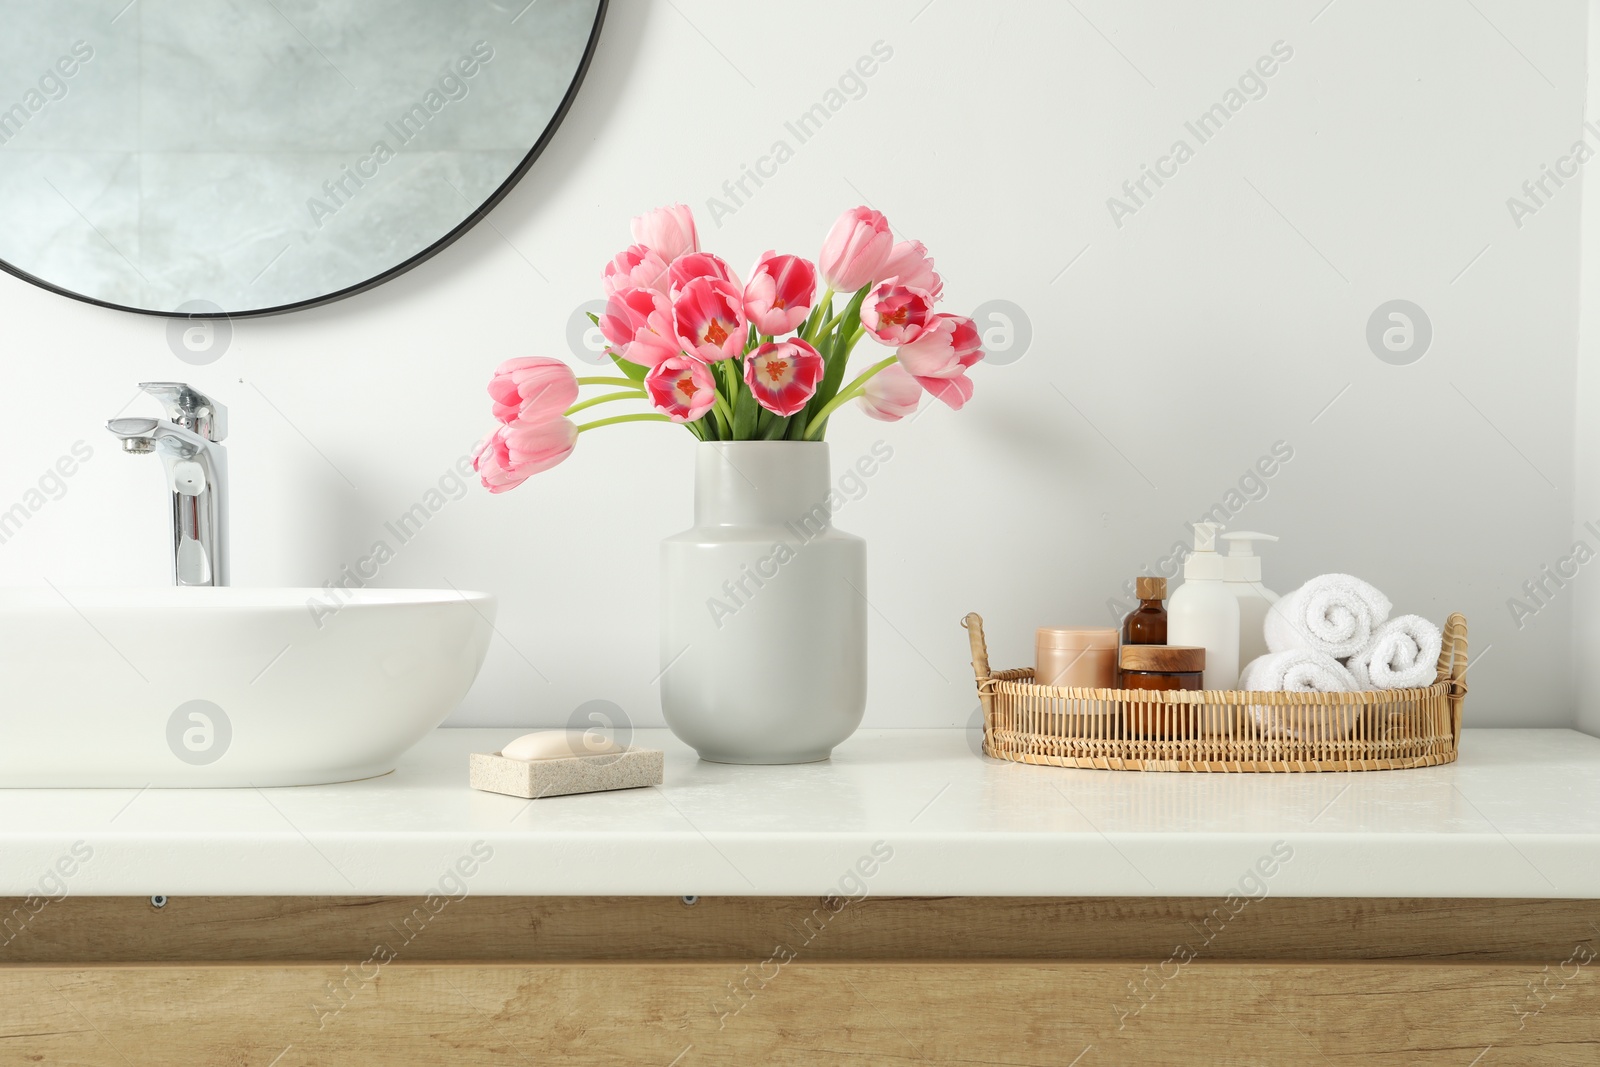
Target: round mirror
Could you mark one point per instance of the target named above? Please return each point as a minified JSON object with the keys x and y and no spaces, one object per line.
{"x":252,"y":156}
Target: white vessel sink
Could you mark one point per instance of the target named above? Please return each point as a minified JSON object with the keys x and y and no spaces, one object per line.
{"x":208,"y":687}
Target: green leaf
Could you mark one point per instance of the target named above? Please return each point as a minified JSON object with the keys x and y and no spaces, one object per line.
{"x":836,"y":355}
{"x":745,"y":410}
{"x":632,"y":370}
{"x":775,"y":429}
{"x":811,"y":322}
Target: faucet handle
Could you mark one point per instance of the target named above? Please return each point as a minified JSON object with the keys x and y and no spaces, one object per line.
{"x":190,"y":408}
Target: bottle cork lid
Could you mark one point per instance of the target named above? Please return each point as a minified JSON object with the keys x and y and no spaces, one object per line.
{"x":1164,"y":659}
{"x":1150,"y":588}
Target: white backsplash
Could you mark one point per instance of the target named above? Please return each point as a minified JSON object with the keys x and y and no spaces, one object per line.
{"x":1171,"y":347}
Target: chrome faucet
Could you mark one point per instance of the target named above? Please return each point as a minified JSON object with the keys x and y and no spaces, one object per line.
{"x":188,"y":441}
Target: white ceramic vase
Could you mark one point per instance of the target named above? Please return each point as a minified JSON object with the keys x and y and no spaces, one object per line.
{"x":763,"y":609}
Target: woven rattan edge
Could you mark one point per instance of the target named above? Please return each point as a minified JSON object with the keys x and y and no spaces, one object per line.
{"x":1120,"y":728}
{"x":1105,"y":763}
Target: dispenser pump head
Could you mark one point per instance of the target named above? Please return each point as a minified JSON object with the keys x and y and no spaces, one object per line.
{"x":1243,"y":542}
{"x":1241,"y":563}
{"x":1203,"y":563}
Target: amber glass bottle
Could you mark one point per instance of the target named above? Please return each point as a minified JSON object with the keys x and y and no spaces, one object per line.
{"x":1147,"y":623}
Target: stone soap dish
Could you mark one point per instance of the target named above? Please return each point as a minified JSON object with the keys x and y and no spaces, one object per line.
{"x":629,"y":768}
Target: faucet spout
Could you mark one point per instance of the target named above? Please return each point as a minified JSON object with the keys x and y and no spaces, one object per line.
{"x":196,"y":467}
{"x":135,"y":434}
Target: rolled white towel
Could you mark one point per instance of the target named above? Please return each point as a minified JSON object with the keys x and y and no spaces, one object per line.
{"x":1298,"y":670}
{"x":1301,"y":671}
{"x":1403,"y":654}
{"x":1334,"y":614}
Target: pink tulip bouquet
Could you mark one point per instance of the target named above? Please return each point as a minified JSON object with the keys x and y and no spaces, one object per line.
{"x":759,"y":360}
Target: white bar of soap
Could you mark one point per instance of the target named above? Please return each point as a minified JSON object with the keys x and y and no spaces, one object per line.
{"x":560,"y":744}
{"x":632,"y":768}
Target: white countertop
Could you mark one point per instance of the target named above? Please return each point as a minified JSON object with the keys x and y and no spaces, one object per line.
{"x":1517,"y":816}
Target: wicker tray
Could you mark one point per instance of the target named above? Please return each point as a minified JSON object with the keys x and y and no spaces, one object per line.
{"x":1139,"y":730}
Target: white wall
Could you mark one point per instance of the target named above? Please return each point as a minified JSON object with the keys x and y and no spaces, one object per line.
{"x":1220,"y":318}
{"x":1587,"y":598}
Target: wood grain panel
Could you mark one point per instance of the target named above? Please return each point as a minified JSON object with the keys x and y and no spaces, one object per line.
{"x":657,"y":1014}
{"x":112,"y":929}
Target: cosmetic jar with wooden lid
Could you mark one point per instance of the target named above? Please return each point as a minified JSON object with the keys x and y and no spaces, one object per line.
{"x":1162,"y":666}
{"x":1158,"y":668}
{"x":1081,"y":657}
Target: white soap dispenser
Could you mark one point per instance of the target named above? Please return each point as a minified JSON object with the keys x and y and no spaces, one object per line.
{"x":1203,"y":612}
{"x":1241,"y":573}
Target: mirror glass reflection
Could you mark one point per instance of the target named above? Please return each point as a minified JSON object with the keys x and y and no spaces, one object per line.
{"x":245,"y":155}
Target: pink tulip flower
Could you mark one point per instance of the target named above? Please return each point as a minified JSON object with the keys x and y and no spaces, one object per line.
{"x":668,"y":231}
{"x":910,"y":264}
{"x":515,"y":452}
{"x":783,"y":375}
{"x":890,"y":395}
{"x":492,"y":460}
{"x":691,"y":265}
{"x":709,"y":315}
{"x":628,"y":311}
{"x":939,"y":359}
{"x":638,"y":324}
{"x":780,"y":293}
{"x":896,"y":314}
{"x":635,"y":267}
{"x":681,"y":388}
{"x":952,"y":392}
{"x":855,"y":250}
{"x":532,"y":386}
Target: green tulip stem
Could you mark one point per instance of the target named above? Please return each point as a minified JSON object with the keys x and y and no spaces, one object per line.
{"x":613,"y":420}
{"x":634,"y":394}
{"x":848,"y":393}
